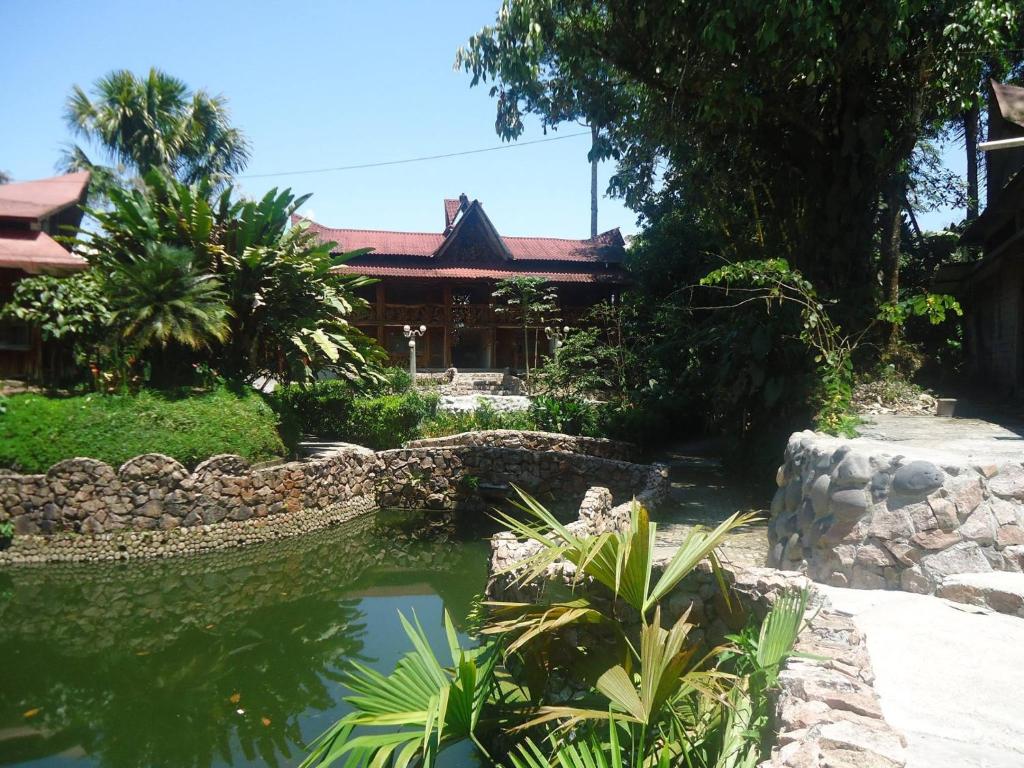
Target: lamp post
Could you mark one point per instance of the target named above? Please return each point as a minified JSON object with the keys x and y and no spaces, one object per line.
{"x":556,"y":336}
{"x":411,"y":334}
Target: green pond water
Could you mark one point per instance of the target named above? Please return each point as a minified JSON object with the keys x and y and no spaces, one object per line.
{"x":232,"y":658}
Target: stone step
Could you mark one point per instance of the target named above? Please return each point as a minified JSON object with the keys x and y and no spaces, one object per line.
{"x":1001,"y":591}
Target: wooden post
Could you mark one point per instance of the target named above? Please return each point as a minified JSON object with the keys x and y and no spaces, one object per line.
{"x":447,"y":343}
{"x":381,"y":298}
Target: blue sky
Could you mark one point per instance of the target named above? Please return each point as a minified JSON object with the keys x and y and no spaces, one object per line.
{"x":314,"y":85}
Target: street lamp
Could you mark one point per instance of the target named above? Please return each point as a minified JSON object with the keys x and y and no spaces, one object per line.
{"x":556,"y":336}
{"x":411,"y":334}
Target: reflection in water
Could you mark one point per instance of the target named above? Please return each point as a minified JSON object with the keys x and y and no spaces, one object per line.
{"x":225,"y":659}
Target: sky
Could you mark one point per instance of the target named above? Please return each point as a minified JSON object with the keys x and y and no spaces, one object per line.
{"x":314,"y":84}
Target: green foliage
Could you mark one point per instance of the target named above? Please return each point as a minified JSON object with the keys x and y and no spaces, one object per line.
{"x":773,"y":283}
{"x":332,"y":409}
{"x":484,"y":416}
{"x":62,"y":308}
{"x":532,"y":302}
{"x":6,"y":530}
{"x":160,"y":297}
{"x":433,"y":707}
{"x":154,"y":122}
{"x":388,"y":421}
{"x":286,"y":310}
{"x":643,"y":692}
{"x":565,"y":415}
{"x":39,"y":431}
{"x":725,"y":134}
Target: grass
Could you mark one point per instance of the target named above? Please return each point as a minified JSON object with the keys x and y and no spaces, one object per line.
{"x":38,"y":431}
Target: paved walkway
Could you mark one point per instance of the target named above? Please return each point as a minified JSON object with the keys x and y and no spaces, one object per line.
{"x":701,"y":495}
{"x":970,"y":440}
{"x":950,"y":677}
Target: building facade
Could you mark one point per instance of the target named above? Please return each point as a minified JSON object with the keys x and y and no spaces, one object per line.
{"x":991,"y":289}
{"x":32,"y":213}
{"x":446,"y":280}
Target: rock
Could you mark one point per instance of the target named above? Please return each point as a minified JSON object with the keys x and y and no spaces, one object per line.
{"x":945,"y":512}
{"x":890,"y":523}
{"x":979,"y":527}
{"x":854,"y":471}
{"x":819,"y":495}
{"x":1002,"y":592}
{"x":965,"y":557}
{"x":1006,"y":512}
{"x":913,"y":580}
{"x":863,"y":578}
{"x":1009,"y":536}
{"x":849,"y":504}
{"x":935,"y":540}
{"x":866,"y":747}
{"x":917,"y":477}
{"x":872,"y":555}
{"x":1009,"y":482}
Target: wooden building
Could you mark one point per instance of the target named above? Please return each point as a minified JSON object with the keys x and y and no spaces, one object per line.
{"x":31,"y":214}
{"x":991,"y":289}
{"x":445,"y":281}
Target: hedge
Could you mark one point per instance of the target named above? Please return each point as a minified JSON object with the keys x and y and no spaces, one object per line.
{"x":331,"y":410}
{"x":38,"y":431}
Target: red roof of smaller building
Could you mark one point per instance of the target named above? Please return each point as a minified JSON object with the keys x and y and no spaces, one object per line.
{"x":34,"y":200}
{"x":35,"y":251}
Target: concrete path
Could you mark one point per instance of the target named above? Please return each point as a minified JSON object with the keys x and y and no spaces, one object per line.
{"x":950,"y":677}
{"x":969,"y":440}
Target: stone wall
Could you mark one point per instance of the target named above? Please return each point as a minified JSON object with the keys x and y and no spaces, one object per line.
{"x":536,"y":441}
{"x":83,"y":509}
{"x":852,"y":514}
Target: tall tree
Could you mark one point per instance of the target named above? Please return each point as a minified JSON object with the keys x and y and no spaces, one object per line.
{"x":152,"y":122}
{"x":781,"y":122}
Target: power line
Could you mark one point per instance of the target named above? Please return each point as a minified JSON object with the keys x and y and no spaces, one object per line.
{"x":412,"y":159}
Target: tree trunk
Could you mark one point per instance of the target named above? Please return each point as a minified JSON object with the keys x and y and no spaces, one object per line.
{"x":892,"y":220}
{"x":970,"y":119}
{"x":593,"y":181}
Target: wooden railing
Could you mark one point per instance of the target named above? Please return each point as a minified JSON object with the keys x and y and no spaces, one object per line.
{"x":470,"y":315}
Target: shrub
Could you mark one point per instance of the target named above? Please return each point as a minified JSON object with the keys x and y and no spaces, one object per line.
{"x":485,"y":416}
{"x":384,"y":418}
{"x":389,"y":420}
{"x":39,"y":431}
{"x":568,"y":415}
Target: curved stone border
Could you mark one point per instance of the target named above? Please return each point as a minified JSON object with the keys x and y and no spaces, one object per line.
{"x":152,"y":506}
{"x":535,"y":441}
{"x":852,"y":514}
{"x":194,"y":540}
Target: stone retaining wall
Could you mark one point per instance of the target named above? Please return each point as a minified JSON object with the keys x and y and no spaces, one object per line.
{"x":853,"y":515}
{"x":536,"y":441}
{"x":83,"y":509}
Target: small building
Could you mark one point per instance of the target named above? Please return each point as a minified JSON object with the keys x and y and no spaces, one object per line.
{"x":991,"y":289}
{"x":31,"y":214}
{"x":445,"y":280}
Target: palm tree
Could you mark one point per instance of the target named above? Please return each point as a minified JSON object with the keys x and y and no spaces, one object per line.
{"x":165,"y":307}
{"x":155,"y":122}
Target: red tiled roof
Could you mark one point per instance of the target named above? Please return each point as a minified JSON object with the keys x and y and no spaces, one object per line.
{"x":481,"y":273}
{"x":607,"y":247}
{"x":451,"y":210}
{"x":383,"y":243}
{"x":35,"y":251}
{"x":38,"y":199}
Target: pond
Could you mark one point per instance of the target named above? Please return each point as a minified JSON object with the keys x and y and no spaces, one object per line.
{"x":232,"y":658}
{"x":236,"y":658}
